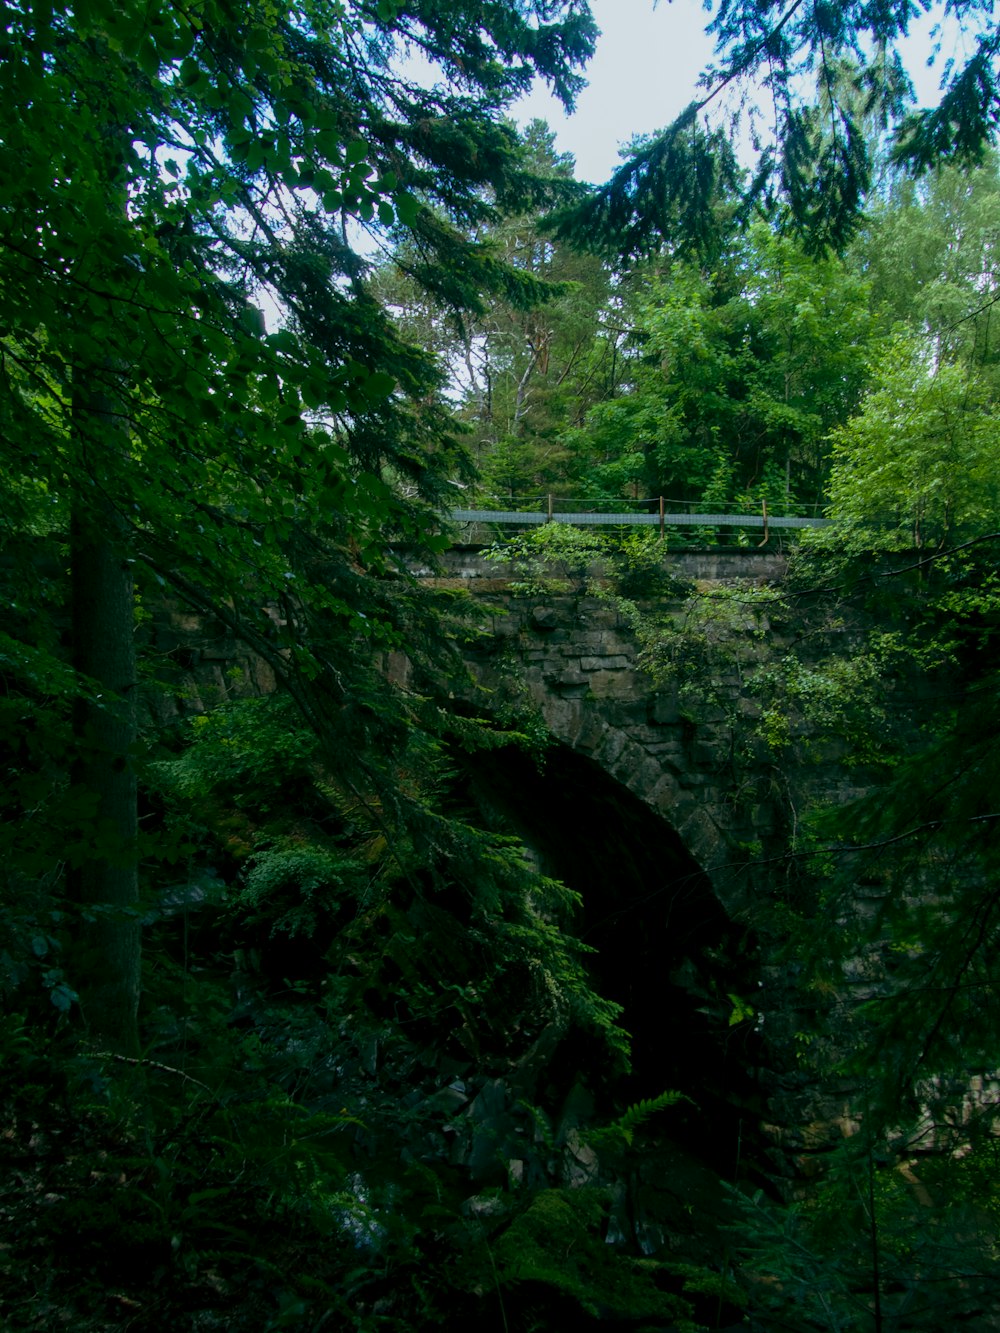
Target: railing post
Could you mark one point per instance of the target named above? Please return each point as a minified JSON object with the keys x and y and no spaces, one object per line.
{"x":763,"y":504}
{"x":662,"y":532}
{"x":549,"y":518}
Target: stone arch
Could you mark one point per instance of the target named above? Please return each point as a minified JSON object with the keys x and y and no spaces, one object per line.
{"x":573,"y":661}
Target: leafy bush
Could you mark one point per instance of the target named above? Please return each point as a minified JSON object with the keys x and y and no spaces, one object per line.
{"x":554,"y":557}
{"x":290,"y":888}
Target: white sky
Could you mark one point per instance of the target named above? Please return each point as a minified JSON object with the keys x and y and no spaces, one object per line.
{"x":645,"y":71}
{"x":643,"y":74}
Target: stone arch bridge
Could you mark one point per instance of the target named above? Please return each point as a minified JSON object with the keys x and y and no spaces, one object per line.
{"x":572,"y":659}
{"x":673,"y":836}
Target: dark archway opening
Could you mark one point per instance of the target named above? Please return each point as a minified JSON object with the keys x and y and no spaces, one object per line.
{"x":666,"y":951}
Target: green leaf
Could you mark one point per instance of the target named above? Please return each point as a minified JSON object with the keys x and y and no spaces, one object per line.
{"x":379,"y":385}
{"x":283,"y":340}
{"x":407,"y":208}
{"x":63,"y":997}
{"x":314,"y":393}
{"x":148,"y":58}
{"x":329,"y":145}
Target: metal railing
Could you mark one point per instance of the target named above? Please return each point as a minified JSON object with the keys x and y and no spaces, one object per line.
{"x":654,"y":512}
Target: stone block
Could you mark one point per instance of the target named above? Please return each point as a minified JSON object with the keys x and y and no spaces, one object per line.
{"x":570,"y":720}
{"x":262,"y":675}
{"x":217,"y":650}
{"x":640,"y":774}
{"x":684,"y":805}
{"x":614,"y":684}
{"x":613,"y":744}
{"x":591,"y":734}
{"x":748,"y":708}
{"x":187,"y":622}
{"x":702,"y":838}
{"x":589,"y":642}
{"x":708,"y":714}
{"x":706,"y":753}
{"x":604,"y":663}
{"x":396,"y":666}
{"x":664,"y":795}
{"x":544,"y":618}
{"x":566,"y":680}
{"x":669,"y":754}
{"x":664,"y":710}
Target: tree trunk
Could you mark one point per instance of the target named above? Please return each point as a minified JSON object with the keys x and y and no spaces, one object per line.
{"x":106,"y":884}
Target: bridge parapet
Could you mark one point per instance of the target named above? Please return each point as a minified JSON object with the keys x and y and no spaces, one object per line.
{"x":712,"y":565}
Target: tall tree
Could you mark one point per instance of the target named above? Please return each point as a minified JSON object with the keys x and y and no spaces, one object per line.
{"x":170,"y":174}
{"x":736,"y":376}
{"x":916,"y":466}
{"x":913,"y":465}
{"x":530,"y":360}
{"x":928,"y":247}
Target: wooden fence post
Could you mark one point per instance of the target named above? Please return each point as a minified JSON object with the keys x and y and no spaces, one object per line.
{"x":766,"y":533}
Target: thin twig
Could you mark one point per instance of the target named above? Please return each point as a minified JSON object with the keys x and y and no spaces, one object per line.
{"x":151,"y":1064}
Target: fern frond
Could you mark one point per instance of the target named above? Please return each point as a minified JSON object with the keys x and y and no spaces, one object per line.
{"x":635,"y":1116}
